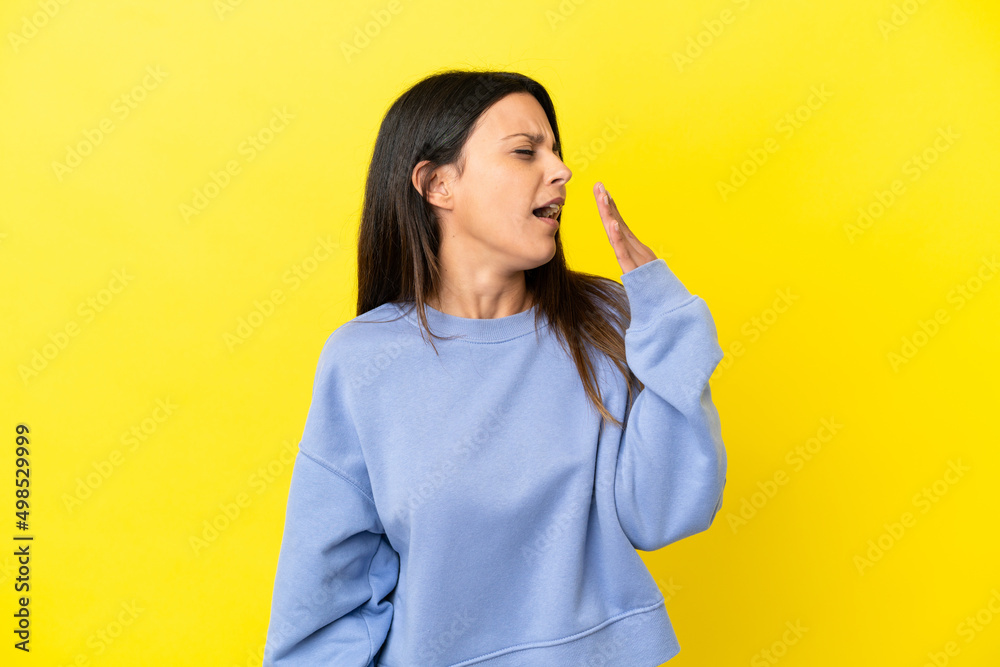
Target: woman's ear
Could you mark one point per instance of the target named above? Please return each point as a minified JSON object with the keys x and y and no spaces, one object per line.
{"x":438,"y":193}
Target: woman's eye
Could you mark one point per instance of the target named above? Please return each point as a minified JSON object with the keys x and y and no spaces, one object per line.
{"x":525,"y":150}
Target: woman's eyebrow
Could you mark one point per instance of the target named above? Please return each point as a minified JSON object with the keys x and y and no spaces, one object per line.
{"x":535,"y":138}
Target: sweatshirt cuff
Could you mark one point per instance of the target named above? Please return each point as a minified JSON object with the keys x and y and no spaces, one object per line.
{"x":652,"y":290}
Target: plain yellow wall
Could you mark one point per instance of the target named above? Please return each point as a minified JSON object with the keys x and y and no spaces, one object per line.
{"x":181,"y":185}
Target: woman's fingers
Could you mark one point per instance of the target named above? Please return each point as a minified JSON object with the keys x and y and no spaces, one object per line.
{"x":603,"y":207}
{"x":629,"y":251}
{"x":606,"y":209}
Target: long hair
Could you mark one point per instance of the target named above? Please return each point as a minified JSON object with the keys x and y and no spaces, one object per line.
{"x":399,"y":236}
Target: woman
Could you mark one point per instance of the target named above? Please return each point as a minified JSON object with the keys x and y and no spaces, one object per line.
{"x":479,"y":463}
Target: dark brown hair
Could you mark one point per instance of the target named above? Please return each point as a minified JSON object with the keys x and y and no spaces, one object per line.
{"x":398,"y":238}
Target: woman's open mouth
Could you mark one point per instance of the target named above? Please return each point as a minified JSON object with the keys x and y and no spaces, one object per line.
{"x":549,"y":213}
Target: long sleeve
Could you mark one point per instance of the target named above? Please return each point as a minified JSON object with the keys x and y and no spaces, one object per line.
{"x":672,"y":464}
{"x":335,"y":566}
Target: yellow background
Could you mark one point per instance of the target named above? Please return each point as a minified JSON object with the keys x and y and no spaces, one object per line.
{"x":662,"y":132}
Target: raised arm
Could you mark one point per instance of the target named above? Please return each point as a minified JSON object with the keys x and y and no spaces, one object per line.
{"x":671,"y":461}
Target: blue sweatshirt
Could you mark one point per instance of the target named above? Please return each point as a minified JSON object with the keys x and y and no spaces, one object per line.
{"x":468,"y":508}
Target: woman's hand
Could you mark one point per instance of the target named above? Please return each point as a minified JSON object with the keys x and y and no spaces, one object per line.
{"x":629,"y":250}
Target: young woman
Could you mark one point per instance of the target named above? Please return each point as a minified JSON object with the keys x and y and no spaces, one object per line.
{"x":479,"y":463}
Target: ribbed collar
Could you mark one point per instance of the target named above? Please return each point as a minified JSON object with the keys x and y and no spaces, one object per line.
{"x":474,"y":330}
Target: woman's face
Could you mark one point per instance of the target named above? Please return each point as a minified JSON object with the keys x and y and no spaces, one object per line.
{"x":486,"y":213}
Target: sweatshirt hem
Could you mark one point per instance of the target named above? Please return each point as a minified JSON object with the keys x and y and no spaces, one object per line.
{"x":641,"y":637}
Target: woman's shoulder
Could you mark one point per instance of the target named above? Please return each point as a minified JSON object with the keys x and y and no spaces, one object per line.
{"x":370,"y":333}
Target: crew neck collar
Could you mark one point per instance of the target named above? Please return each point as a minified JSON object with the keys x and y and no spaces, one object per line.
{"x":474,"y":330}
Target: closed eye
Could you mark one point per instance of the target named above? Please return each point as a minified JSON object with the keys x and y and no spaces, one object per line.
{"x":525,"y":150}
